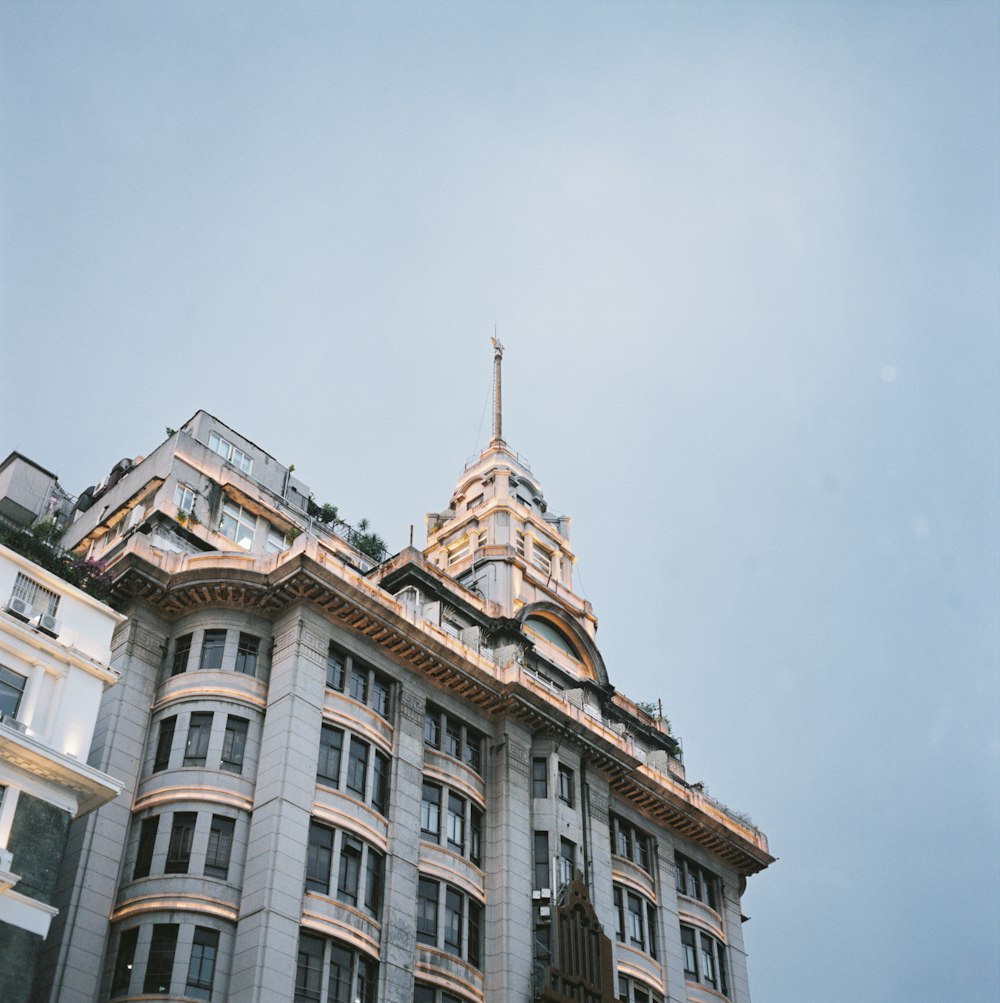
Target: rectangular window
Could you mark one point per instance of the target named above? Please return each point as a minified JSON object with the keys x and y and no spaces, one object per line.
{"x":183,"y":497}
{"x":357,"y":767}
{"x":319,"y":858}
{"x":182,"y":651}
{"x":213,"y":646}
{"x":475,"y":952}
{"x":374,"y":867}
{"x":336,"y":666}
{"x":246,"y":654}
{"x":380,"y":698}
{"x":475,"y":835}
{"x":473,"y":750}
{"x":39,"y":598}
{"x":199,"y":731}
{"x":220,"y":846}
{"x":619,"y":914}
{"x":635,"y":930}
{"x":541,"y":558}
{"x":350,"y":869}
{"x":11,"y":690}
{"x":229,"y":452}
{"x":430,"y":811}
{"x":122,"y":978}
{"x":432,"y":729}
{"x":690,"y":954}
{"x":541,"y":860}
{"x":567,"y":861}
{"x":339,"y":983}
{"x":566,"y":785}
{"x":427,"y":911}
{"x":234,"y":743}
{"x":331,"y":744}
{"x":276,"y":542}
{"x":359,"y":684}
{"x":380,"y":783}
{"x":181,"y":839}
{"x":632,"y":843}
{"x":708,"y":960}
{"x":454,"y":916}
{"x":519,"y":543}
{"x":696,"y":882}
{"x":651,"y":929}
{"x":456,"y":823}
{"x":453,"y":738}
{"x":164,"y":743}
{"x":201,"y":968}
{"x":309,"y":969}
{"x":539,"y":778}
{"x":147,"y":842}
{"x":238,"y":524}
{"x":160,"y":960}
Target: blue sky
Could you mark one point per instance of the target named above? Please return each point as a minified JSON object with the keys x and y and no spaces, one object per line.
{"x":744,"y":259}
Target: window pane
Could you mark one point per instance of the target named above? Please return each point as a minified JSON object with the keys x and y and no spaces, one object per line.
{"x":201,"y":969}
{"x":182,"y":650}
{"x":309,"y":969}
{"x":181,"y":838}
{"x":160,"y":960}
{"x":246,"y":654}
{"x":350,"y":870}
{"x":234,"y":744}
{"x":330,"y":745}
{"x":212,"y":648}
{"x":164,"y":742}
{"x":336,"y":665}
{"x":220,"y":846}
{"x":147,"y":841}
{"x":319,"y":858}
{"x":357,"y":767}
{"x":427,"y":907}
{"x":121,"y":979}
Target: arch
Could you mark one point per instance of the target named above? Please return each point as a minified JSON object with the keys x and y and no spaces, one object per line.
{"x":575,"y":641}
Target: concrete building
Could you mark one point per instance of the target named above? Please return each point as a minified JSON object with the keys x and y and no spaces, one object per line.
{"x":351,"y":780}
{"x":55,"y":646}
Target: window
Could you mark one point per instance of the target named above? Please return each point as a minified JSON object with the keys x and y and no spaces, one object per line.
{"x":696,"y":881}
{"x":184,"y":497}
{"x":182,"y":649}
{"x":181,"y":838}
{"x":362,"y":682}
{"x":633,"y":991}
{"x":11,"y":690}
{"x":238,"y":524}
{"x":160,"y":961}
{"x":541,"y":558}
{"x":213,"y":646}
{"x":201,"y":968}
{"x":164,"y":743}
{"x":199,"y":730}
{"x":125,"y":959}
{"x":319,"y":858}
{"x":336,"y":668}
{"x":519,"y":543}
{"x":357,"y":767}
{"x":636,"y":920}
{"x":234,"y":744}
{"x":374,"y":880}
{"x":246,"y":654}
{"x":229,"y":452}
{"x":704,"y":959}
{"x":220,"y":846}
{"x":350,"y":869}
{"x":463,"y":829}
{"x":541,"y":859}
{"x":566,"y":784}
{"x":452,"y":920}
{"x":359,"y":685}
{"x":276,"y":541}
{"x":147,"y":841}
{"x":632,"y":843}
{"x":351,"y":977}
{"x":331,"y":744}
{"x":460,"y":741}
{"x":380,"y":783}
{"x":39,"y":598}
{"x":567,"y":861}
{"x":428,"y":994}
{"x":354,"y":858}
{"x":539,"y":778}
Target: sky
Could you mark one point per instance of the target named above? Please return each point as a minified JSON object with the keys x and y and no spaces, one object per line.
{"x":744,"y":259}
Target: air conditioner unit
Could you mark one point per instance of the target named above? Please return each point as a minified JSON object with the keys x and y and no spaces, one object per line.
{"x":21,"y":608}
{"x":47,"y":624}
{"x":12,"y":722}
{"x":545,"y":912}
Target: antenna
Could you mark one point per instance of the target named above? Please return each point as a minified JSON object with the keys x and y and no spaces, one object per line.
{"x":497,"y":401}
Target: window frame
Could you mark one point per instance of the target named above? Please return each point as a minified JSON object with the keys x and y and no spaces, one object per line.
{"x":199,"y":738}
{"x":219,"y":849}
{"x":247,"y":654}
{"x":163,"y":947}
{"x":203,"y":958}
{"x":234,"y":744}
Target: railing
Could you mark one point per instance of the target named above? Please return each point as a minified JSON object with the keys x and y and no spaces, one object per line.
{"x":476,"y":457}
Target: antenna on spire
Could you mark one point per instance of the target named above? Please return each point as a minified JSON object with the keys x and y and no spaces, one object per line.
{"x":497,"y":401}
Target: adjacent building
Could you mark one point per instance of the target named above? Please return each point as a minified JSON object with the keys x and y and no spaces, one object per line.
{"x":349,"y":778}
{"x":55,"y":646}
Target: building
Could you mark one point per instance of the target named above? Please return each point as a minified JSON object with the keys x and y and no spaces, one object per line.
{"x":356,"y":780}
{"x":55,"y":646}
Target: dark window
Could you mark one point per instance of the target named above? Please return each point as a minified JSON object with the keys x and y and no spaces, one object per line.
{"x":319,"y":858}
{"x":181,"y":838}
{"x":690,"y":954}
{"x":475,"y":952}
{"x":454,"y":915}
{"x":374,"y":876}
{"x":182,"y":650}
{"x":199,"y":731}
{"x":212,"y":647}
{"x":201,"y":969}
{"x":125,"y":959}
{"x":651,"y":929}
{"x":456,"y":823}
{"x":309,"y":969}
{"x":459,"y":740}
{"x":567,"y":861}
{"x":380,"y":783}
{"x":11,"y":690}
{"x":432,"y":729}
{"x":633,"y":991}
{"x":147,"y":840}
{"x":220,"y":846}
{"x":164,"y":743}
{"x":336,"y":666}
{"x":474,"y":750}
{"x":635,"y":927}
{"x":566,"y":784}
{"x":427,"y":909}
{"x":539,"y":778}
{"x":339,"y":990}
{"x":234,"y":743}
{"x":541,"y":860}
{"x":357,"y":767}
{"x":632,"y":843}
{"x":475,"y":835}
{"x":696,"y":881}
{"x":380,"y":697}
{"x":359,"y":684}
{"x":331,"y":743}
{"x":350,"y":869}
{"x":246,"y":654}
{"x":160,"y":961}
{"x":430,"y":810}
{"x":453,"y":738}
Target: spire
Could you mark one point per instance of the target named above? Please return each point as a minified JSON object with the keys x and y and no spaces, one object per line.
{"x":497,"y":401}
